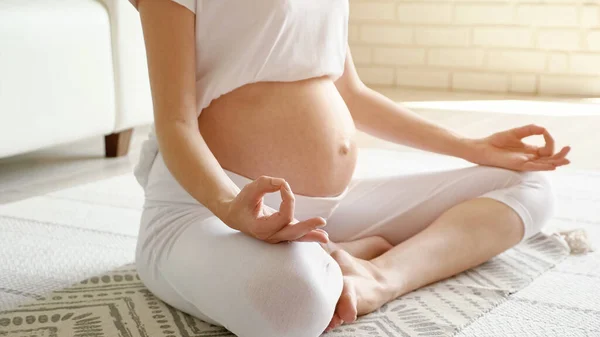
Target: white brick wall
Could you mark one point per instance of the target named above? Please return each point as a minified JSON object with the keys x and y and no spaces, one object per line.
{"x":419,"y":12}
{"x":544,"y":14}
{"x":559,"y":39}
{"x":558,"y":63}
{"x":593,"y":40}
{"x":510,"y":37}
{"x":443,"y":36}
{"x":391,"y":35}
{"x":399,"y":56}
{"x":455,"y":58}
{"x":480,"y":81}
{"x":521,"y":46}
{"x":523,"y":84}
{"x":483,"y":14}
{"x":434,"y":79}
{"x":516,"y":60}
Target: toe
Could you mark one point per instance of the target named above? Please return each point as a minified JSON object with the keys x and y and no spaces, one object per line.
{"x":335,"y":322}
{"x":347,"y":304}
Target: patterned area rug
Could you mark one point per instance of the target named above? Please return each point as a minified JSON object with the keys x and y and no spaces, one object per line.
{"x":90,"y":230}
{"x":117,"y":303}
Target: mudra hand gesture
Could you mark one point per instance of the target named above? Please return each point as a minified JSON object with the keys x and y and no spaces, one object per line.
{"x":507,"y":150}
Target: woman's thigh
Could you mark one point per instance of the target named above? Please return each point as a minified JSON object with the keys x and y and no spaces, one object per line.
{"x":399,"y":206}
{"x":198,"y":264}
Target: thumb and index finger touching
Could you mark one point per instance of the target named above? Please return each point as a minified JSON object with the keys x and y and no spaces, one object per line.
{"x":534,"y":130}
{"x":285,"y":226}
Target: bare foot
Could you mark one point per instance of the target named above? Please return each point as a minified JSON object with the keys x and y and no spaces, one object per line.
{"x":365,"y":289}
{"x":366,"y":248}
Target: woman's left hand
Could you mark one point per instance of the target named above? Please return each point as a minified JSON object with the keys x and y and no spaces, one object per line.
{"x":506,"y":149}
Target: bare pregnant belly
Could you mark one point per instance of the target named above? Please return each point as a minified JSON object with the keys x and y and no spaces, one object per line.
{"x":300,"y":131}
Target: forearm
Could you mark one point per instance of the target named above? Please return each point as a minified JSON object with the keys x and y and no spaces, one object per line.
{"x":379,"y":116}
{"x":169,"y":27}
{"x":194,"y":166}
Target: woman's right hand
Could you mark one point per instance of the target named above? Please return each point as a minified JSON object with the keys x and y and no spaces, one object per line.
{"x":248,"y":214}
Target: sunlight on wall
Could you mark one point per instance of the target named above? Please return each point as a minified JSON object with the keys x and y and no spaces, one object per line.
{"x":524,"y":46}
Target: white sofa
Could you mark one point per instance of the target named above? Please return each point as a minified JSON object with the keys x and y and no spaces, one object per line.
{"x":71,"y":69}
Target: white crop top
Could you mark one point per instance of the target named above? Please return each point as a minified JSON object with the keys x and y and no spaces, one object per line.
{"x":245,"y":41}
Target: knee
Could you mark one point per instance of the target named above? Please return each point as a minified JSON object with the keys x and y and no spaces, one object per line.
{"x":540,"y":184}
{"x":529,"y":194}
{"x":297,"y":294}
{"x":536,"y":194}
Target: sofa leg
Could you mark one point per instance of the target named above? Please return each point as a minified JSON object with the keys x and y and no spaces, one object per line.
{"x":117,"y":144}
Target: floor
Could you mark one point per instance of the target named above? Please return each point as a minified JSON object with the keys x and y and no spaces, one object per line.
{"x":573,"y":121}
{"x":559,"y":303}
{"x":87,"y":230}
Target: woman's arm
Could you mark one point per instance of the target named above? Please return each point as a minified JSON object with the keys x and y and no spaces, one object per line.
{"x":169,"y":34}
{"x":381,"y":117}
{"x":170,"y":47}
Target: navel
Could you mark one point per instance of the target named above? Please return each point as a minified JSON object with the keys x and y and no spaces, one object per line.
{"x":345,"y":147}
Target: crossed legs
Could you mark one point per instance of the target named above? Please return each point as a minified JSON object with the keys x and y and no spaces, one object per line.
{"x":461,"y":237}
{"x":439,"y":224}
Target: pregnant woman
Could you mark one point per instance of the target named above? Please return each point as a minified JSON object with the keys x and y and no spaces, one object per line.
{"x":256,"y":97}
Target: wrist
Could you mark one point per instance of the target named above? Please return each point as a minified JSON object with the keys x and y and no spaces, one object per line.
{"x":467,"y":149}
{"x":220,"y":206}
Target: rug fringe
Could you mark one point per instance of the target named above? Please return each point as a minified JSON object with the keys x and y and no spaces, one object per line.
{"x":576,"y":240}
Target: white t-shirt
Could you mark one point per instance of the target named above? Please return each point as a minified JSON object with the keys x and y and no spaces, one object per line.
{"x":246,"y":41}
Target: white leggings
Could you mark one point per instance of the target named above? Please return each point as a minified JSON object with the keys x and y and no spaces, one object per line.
{"x":190,"y":259}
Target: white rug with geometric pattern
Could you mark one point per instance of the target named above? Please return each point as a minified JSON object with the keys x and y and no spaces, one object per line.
{"x":49,"y":244}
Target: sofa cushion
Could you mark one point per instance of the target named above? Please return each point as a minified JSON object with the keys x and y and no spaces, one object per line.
{"x":57,"y":82}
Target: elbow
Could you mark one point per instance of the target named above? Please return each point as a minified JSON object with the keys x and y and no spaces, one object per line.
{"x":173,"y":130}
{"x":174,"y":122}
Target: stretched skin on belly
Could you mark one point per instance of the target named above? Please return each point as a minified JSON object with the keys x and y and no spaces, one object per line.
{"x":300,"y":131}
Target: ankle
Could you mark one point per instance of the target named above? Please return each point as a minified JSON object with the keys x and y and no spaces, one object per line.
{"x":392,"y":282}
